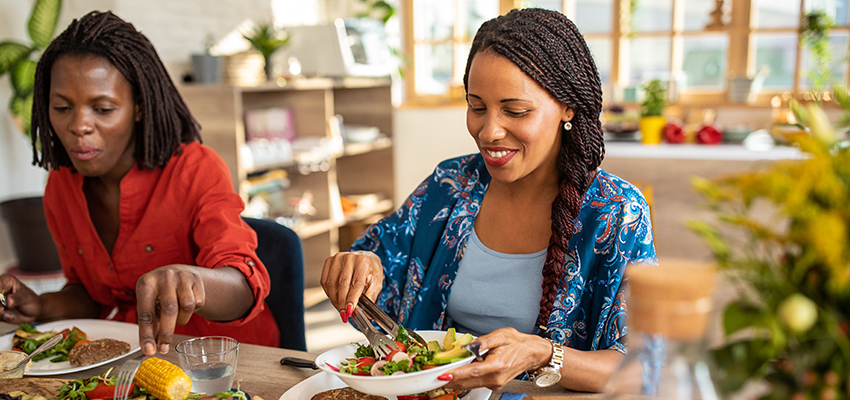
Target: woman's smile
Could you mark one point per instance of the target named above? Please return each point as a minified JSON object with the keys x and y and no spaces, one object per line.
{"x":497,"y":156}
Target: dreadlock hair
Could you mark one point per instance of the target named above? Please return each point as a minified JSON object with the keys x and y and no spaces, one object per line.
{"x":548,"y":47}
{"x":166,"y":120}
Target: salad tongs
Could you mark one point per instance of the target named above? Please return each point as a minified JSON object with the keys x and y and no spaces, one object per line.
{"x":385,"y":321}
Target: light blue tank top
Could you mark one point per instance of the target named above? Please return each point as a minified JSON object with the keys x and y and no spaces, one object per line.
{"x":495,"y":290}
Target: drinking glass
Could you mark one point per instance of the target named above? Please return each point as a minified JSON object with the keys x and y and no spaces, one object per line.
{"x":210,"y":361}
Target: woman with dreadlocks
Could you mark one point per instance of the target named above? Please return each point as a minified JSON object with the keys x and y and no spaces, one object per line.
{"x":144,"y":216}
{"x":524,"y":243}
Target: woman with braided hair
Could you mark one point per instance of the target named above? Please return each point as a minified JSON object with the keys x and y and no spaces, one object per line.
{"x":144,"y":216}
{"x":524,"y":243}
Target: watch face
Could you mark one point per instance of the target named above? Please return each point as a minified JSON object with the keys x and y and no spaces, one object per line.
{"x":547,"y":377}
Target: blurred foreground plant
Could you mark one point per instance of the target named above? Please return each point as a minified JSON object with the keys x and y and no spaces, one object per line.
{"x":790,"y":327}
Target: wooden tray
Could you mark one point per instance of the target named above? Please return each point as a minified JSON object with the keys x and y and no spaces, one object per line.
{"x":47,"y":387}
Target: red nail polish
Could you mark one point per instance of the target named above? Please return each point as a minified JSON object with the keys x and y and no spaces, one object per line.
{"x":344,"y":316}
{"x":349,"y":309}
{"x":445,"y":377}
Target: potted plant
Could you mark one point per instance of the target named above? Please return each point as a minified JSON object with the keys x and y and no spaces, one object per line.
{"x":19,"y":59}
{"x":651,"y":109}
{"x":790,"y":327}
{"x":31,"y":239}
{"x":207,"y":66}
{"x":267,"y":39}
{"x":814,"y":34}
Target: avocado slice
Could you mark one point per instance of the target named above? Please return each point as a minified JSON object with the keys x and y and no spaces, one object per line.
{"x":465,"y":339}
{"x":451,"y":336}
{"x":434,"y":346}
{"x":455,"y":354}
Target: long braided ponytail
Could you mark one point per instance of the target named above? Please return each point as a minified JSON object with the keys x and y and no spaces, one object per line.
{"x":166,"y":120}
{"x":548,"y":47}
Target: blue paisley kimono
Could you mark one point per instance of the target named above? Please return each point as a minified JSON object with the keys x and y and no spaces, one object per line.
{"x":421,"y":244}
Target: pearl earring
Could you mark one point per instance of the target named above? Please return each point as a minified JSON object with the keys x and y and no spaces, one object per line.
{"x":568,"y":126}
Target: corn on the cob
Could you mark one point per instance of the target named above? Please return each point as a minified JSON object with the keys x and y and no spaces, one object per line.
{"x":163,"y":380}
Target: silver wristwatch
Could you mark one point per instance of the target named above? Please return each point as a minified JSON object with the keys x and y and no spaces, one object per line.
{"x":551,"y":373}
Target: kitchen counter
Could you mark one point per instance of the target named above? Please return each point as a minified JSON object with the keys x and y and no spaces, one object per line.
{"x":697,"y":152}
{"x":665,"y":172}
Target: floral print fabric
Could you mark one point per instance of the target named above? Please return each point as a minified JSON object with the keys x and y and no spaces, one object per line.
{"x":421,"y":244}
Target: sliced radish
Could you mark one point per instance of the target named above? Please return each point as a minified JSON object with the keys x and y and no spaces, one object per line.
{"x":398,"y":373}
{"x":375,"y":370}
{"x":400,"y":357}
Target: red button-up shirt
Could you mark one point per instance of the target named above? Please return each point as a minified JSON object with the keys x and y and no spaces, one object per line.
{"x":184,"y":213}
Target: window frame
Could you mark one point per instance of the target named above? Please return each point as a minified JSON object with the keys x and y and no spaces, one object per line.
{"x":740,"y":57}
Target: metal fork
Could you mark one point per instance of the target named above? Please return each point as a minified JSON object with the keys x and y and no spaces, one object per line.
{"x":385,"y":321}
{"x":124,"y":380}
{"x":381,"y":344}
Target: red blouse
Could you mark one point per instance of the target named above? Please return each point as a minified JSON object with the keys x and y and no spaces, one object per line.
{"x":184,"y":213}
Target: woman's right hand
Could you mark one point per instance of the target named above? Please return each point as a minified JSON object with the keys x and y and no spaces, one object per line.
{"x":22,"y":304}
{"x":348,"y":274}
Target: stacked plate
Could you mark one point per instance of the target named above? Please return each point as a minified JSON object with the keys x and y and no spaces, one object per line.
{"x":244,"y":69}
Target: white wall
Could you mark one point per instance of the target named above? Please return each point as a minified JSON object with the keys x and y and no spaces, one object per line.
{"x":423,"y":137}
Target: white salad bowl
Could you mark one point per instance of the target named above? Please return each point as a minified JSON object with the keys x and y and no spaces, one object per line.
{"x":392,"y":385}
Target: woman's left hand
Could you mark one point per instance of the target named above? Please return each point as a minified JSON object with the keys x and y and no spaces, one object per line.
{"x":510,"y":353}
{"x":166,"y":297}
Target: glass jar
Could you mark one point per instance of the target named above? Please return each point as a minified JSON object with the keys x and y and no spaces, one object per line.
{"x":668,"y":310}
{"x":8,"y":359}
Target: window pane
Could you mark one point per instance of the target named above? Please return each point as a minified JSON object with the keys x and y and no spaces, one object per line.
{"x":594,"y":16}
{"x":837,"y":67}
{"x":653,"y":16}
{"x":648,"y":58}
{"x":461,"y":55}
{"x":698,"y":13}
{"x":836,"y":9}
{"x":776,"y":51}
{"x":547,"y":4}
{"x":478,"y":11}
{"x":433,"y":69}
{"x":704,"y":61}
{"x":434,"y":19}
{"x":601,"y":50}
{"x":776,"y":13}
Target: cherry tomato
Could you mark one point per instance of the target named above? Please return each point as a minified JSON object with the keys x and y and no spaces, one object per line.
{"x":81,"y":342}
{"x":673,"y":133}
{"x":429,"y":366}
{"x":364,"y":361}
{"x":65,"y":333}
{"x":102,"y":391}
{"x":400,"y":346}
{"x":709,"y":135}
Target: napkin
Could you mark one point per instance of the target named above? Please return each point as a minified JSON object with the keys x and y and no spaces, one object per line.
{"x":512,"y":396}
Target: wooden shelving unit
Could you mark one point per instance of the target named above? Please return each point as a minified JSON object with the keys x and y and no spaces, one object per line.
{"x":362,"y":168}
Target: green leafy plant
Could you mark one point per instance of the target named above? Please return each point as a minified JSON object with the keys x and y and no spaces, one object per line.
{"x":790,"y":326}
{"x":20,"y":60}
{"x":377,"y":9}
{"x":267,"y":39}
{"x":814,"y":34}
{"x":655,"y":98}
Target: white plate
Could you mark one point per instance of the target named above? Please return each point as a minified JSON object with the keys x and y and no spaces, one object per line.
{"x":94,"y":329}
{"x":325,"y":381}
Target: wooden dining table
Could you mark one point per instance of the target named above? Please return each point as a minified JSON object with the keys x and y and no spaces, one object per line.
{"x":260,"y":374}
